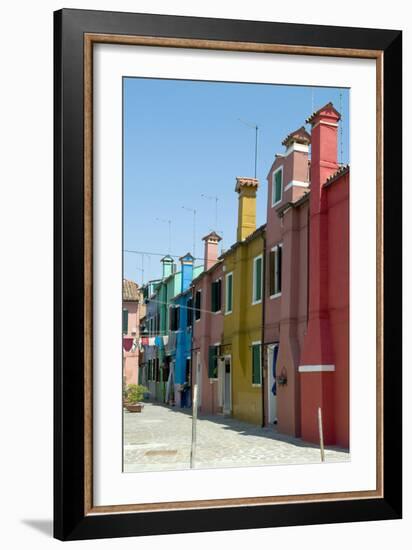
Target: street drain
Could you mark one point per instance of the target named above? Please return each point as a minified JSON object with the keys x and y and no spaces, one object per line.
{"x":160,"y":453}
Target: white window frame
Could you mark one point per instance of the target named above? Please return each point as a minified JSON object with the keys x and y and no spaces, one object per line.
{"x":254,"y":287}
{"x":227,"y":310}
{"x":273,"y":186}
{"x":275,"y":250}
{"x":257,"y":343}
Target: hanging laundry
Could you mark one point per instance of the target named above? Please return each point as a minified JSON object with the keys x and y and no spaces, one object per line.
{"x":152,"y":341}
{"x":127,"y":344}
{"x":159,"y":341}
{"x":145,"y":341}
{"x":165,"y":340}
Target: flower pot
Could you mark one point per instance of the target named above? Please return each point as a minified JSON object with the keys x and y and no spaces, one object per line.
{"x":134,"y":407}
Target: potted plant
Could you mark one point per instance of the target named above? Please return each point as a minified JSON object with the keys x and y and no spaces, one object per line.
{"x":134,"y":394}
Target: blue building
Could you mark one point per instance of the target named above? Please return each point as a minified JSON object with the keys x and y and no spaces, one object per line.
{"x":180,"y":325}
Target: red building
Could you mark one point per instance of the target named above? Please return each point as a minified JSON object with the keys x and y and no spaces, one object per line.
{"x":306,"y":312}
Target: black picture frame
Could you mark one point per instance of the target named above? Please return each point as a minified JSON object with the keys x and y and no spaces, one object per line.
{"x":70,"y":520}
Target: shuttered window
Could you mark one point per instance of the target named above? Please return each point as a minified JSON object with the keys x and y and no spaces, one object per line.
{"x":212,"y":367}
{"x":277,"y":187}
{"x":216,"y":295}
{"x":174,"y":318}
{"x":229,"y":293}
{"x":198,"y":304}
{"x":256,"y":364}
{"x":272,"y":273}
{"x":125,"y":321}
{"x":275,"y":270}
{"x":257,"y":280}
{"x":189,"y":317}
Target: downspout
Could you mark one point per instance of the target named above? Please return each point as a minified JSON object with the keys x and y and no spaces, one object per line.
{"x":262,"y":354}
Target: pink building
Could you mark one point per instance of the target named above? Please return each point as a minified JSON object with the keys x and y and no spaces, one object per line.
{"x":131,"y":321}
{"x":208,"y":329}
{"x":306,"y":314}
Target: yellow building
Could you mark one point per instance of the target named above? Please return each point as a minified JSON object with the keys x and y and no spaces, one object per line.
{"x":240,"y":352}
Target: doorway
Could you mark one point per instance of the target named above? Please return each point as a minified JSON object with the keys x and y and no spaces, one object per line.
{"x":227,"y":385}
{"x":272,"y":356}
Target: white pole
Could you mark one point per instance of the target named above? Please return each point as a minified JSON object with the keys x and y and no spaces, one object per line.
{"x":322,"y":449}
{"x":194,"y":423}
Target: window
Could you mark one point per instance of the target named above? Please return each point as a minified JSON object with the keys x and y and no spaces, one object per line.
{"x":256,"y":364}
{"x":275,"y":271}
{"x":229,"y":293}
{"x":189,"y":317}
{"x":174,"y":318}
{"x":277,"y":186}
{"x":257,"y":280}
{"x":213,"y":358}
{"x":125,"y":321}
{"x":216,"y":295}
{"x":198,"y":304}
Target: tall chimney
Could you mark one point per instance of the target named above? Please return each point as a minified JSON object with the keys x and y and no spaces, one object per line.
{"x":246,"y":222}
{"x":317,"y":358}
{"x":187,"y":271}
{"x":167,"y":266}
{"x":211,"y":249}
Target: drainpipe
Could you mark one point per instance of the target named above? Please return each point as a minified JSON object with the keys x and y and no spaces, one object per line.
{"x":263,"y":328}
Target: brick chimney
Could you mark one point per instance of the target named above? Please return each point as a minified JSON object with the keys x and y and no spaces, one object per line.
{"x":246,"y":224}
{"x":295,"y":173}
{"x":317,"y":359}
{"x":187,"y":271}
{"x":211,"y":249}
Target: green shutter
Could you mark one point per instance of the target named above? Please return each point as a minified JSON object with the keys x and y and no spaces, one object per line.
{"x":125,"y":321}
{"x":256,"y":378}
{"x":258,"y":280}
{"x":212,"y":367}
{"x":229,"y":290}
{"x":278,"y":185}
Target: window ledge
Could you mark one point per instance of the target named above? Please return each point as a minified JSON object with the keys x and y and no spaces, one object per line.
{"x":277,"y":295}
{"x":256,"y":302}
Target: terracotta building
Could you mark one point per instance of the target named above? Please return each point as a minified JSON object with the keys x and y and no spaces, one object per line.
{"x":130,"y":327}
{"x":306,"y":319}
{"x":208,"y":290}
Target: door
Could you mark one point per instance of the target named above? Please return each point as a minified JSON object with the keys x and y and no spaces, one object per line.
{"x":227,"y":386}
{"x":272,"y":386}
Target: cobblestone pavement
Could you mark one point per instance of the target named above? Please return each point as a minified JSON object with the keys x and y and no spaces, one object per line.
{"x":159,"y":438}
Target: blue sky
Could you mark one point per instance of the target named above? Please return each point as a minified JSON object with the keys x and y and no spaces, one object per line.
{"x":183,"y":139}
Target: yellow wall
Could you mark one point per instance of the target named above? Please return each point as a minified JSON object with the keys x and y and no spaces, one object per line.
{"x":242,"y":327}
{"x":246,"y":212}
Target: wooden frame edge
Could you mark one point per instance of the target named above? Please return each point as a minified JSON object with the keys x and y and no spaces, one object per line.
{"x":89,"y":40}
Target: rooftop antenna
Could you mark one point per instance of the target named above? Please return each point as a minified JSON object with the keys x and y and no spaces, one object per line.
{"x":216,"y":199}
{"x":193,"y":210}
{"x":256,"y":127}
{"x":169,"y":222}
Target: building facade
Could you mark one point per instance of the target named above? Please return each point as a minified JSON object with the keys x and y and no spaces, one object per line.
{"x":208,"y":293}
{"x":241,"y":349}
{"x":130,"y":327}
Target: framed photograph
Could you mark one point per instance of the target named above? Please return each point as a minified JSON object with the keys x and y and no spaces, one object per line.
{"x":227,"y":274}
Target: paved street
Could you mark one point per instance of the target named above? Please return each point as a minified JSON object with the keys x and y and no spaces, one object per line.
{"x":159,"y":438}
